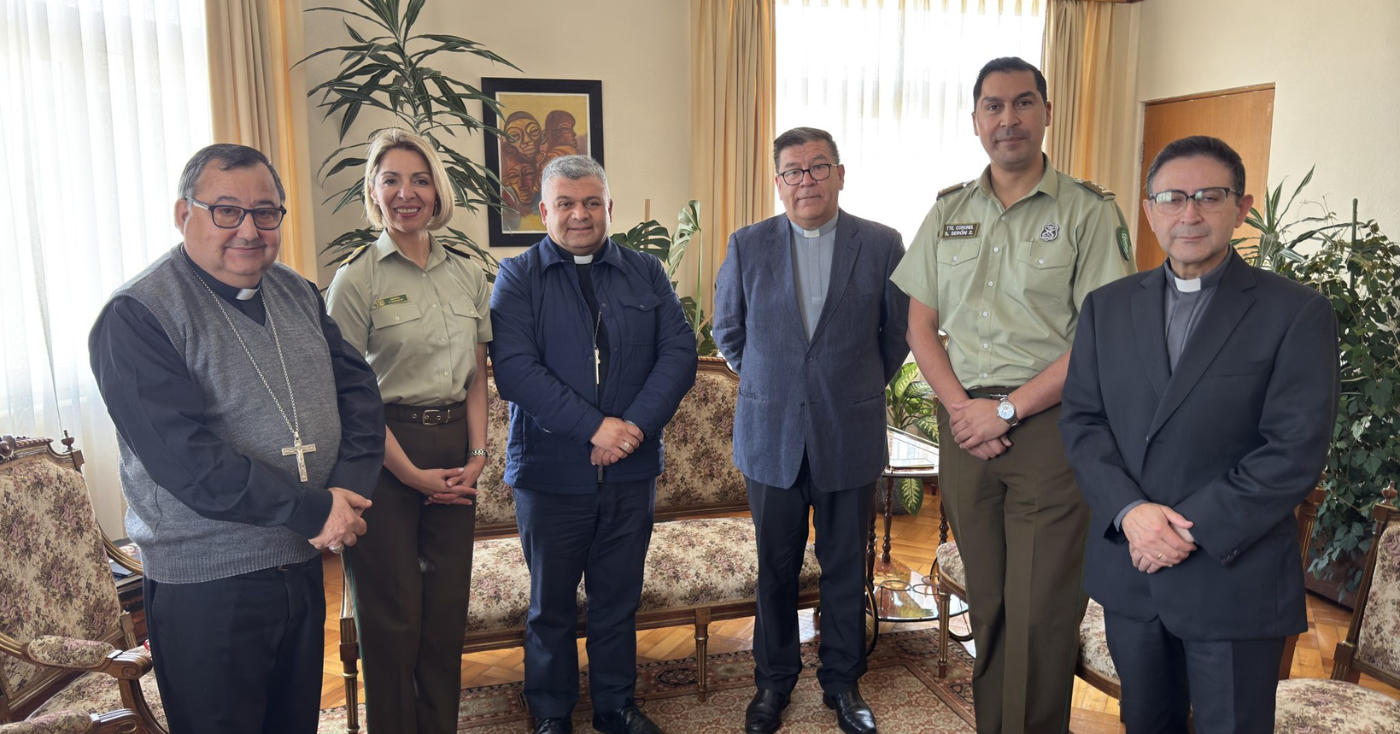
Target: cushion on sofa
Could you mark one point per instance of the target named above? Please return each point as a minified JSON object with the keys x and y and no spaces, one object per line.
{"x":690,"y":563}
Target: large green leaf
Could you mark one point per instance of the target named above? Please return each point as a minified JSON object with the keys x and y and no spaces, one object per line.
{"x":911,"y":494}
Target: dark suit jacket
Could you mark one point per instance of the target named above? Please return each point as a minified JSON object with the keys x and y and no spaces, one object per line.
{"x":827,"y":395}
{"x":1234,"y":440}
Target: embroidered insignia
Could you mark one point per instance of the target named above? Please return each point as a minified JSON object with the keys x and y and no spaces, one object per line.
{"x":1049,"y":232}
{"x":960,"y":230}
{"x":391,"y":300}
{"x":1125,"y":245}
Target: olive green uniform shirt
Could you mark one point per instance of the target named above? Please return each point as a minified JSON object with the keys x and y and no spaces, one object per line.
{"x":417,"y":327}
{"x":1007,"y":283}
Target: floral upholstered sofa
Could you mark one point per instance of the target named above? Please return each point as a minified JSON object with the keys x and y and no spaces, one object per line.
{"x":703,"y":561}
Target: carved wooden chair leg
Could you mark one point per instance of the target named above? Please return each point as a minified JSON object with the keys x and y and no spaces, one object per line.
{"x":945,"y":604}
{"x":702,"y":643}
{"x":350,"y":662}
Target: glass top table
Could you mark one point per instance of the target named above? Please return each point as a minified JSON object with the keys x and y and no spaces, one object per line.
{"x":898,"y":593}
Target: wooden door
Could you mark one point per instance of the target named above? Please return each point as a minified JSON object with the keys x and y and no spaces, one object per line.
{"x":1244,"y":118}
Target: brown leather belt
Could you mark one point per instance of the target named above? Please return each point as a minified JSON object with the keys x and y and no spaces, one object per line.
{"x":428,"y":416}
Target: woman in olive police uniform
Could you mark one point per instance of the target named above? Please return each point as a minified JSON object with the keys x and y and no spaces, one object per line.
{"x":418,"y":312}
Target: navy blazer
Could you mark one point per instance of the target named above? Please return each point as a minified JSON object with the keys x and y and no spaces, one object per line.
{"x":1234,"y":439}
{"x":825,"y":396}
{"x":542,"y":355}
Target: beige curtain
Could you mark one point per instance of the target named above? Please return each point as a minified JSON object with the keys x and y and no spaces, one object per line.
{"x":258,"y":100}
{"x":1090,"y":63}
{"x":732,"y":98}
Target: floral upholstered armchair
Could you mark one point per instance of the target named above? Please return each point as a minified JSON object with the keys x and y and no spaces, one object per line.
{"x":1372,"y":646}
{"x":65,"y":643}
{"x":121,"y":721}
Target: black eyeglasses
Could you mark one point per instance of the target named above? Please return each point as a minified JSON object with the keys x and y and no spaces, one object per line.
{"x":1211,"y":199}
{"x":819,"y":172}
{"x":227,"y":216}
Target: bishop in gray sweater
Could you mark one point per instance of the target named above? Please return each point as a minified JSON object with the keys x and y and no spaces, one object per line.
{"x":249,"y":437}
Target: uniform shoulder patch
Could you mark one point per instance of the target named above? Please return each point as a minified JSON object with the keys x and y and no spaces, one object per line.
{"x":354,"y":255}
{"x":953,"y":189}
{"x":1098,"y":190}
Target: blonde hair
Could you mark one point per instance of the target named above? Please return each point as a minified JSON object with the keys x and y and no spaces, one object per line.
{"x":393,"y":138}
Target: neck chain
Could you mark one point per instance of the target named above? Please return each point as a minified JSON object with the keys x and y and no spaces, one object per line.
{"x":294,"y":423}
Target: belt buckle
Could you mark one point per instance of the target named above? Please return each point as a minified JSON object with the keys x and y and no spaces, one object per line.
{"x":435,"y":417}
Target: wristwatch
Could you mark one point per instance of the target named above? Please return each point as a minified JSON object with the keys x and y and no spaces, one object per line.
{"x":1007,"y":412}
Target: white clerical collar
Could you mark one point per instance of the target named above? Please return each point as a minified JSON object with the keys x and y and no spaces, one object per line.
{"x":812,"y":234}
{"x":583,"y":259}
{"x":1187,"y":286}
{"x":246,"y":294}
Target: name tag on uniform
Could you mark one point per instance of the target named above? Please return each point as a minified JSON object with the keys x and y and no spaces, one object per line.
{"x":391,"y":300}
{"x":960,"y":230}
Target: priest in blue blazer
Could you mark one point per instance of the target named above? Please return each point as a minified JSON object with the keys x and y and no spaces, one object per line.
{"x":806,"y":315}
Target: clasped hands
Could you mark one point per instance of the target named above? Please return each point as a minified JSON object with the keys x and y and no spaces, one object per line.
{"x":453,"y":486}
{"x":614,"y":441}
{"x":977,"y":428}
{"x":1158,"y":537}
{"x":344,"y":525}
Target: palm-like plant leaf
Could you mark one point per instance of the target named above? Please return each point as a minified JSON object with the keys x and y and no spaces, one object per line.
{"x":386,"y":71}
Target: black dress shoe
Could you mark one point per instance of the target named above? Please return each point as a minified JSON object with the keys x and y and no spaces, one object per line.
{"x":626,"y":720}
{"x":765,"y":712}
{"x":554,"y":726}
{"x":853,"y":715}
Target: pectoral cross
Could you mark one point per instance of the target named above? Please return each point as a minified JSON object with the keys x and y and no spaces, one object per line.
{"x":301,"y":450}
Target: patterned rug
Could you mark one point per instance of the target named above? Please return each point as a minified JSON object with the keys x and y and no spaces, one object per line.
{"x":901,"y":687}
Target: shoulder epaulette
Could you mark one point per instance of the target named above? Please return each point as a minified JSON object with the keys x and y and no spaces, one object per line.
{"x":952,"y":189}
{"x":456,"y":252}
{"x":354,"y":255}
{"x":1098,"y":190}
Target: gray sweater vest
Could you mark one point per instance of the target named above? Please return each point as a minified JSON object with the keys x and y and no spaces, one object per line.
{"x":179,"y":546}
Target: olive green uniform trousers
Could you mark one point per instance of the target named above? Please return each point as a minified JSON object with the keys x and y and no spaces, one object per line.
{"x":1019,"y":521}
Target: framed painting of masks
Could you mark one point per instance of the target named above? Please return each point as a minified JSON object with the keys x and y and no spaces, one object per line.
{"x":542,"y":119}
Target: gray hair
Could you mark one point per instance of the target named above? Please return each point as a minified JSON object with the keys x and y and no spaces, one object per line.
{"x":573,"y":167}
{"x":226,"y":156}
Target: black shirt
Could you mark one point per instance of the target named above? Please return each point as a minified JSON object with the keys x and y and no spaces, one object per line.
{"x":158,"y":410}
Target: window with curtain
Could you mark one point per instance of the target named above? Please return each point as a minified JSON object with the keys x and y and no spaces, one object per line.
{"x":892,"y":83}
{"x":105,"y":100}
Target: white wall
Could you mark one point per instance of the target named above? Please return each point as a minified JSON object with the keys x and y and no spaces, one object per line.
{"x":640,"y":49}
{"x":1334,"y":64}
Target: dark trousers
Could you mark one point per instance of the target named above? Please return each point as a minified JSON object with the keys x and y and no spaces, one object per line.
{"x":1229,"y":684}
{"x":1020,"y":522}
{"x":240,"y":655}
{"x":841,"y":520}
{"x":601,"y":537}
{"x":411,"y":573}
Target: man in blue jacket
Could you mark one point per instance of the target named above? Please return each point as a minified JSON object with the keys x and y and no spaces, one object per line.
{"x":594,"y":353}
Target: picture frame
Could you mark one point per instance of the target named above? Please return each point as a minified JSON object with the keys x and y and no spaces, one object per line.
{"x":543,"y":119}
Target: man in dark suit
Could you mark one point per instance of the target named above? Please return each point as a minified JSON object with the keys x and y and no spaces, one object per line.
{"x":1198,"y":411}
{"x":806,"y":315}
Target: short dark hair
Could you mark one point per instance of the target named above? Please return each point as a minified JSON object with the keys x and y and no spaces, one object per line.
{"x":801,"y":136}
{"x":1202,"y":146}
{"x":1008,"y":65}
{"x":226,"y":156}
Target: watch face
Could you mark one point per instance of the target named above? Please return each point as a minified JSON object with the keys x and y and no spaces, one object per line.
{"x":1006,"y":411}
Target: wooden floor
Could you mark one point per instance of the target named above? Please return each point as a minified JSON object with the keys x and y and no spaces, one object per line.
{"x":914,"y":543}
